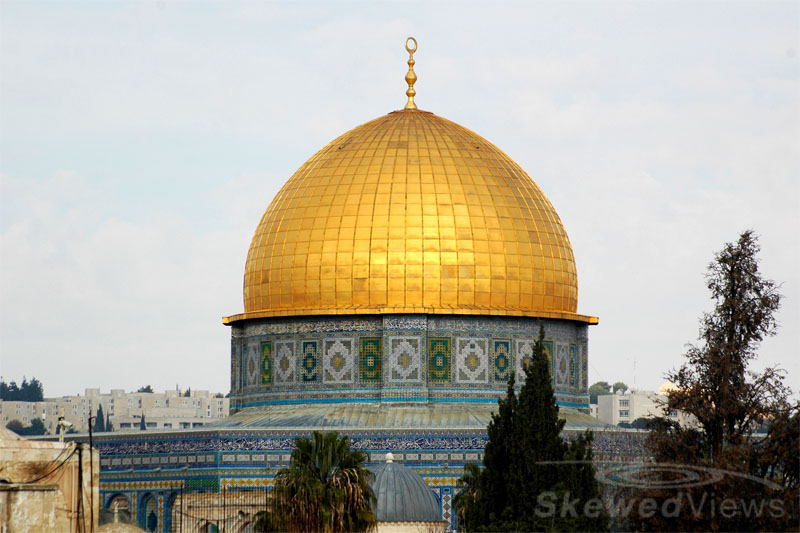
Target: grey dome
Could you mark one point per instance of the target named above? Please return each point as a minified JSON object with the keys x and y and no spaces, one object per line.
{"x":402,"y":495}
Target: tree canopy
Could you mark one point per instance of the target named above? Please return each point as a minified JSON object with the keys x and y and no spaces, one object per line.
{"x":36,"y":427}
{"x":598,"y":389}
{"x":619,"y":387}
{"x":325,"y":488}
{"x":146,"y":388}
{"x":532,"y":479}
{"x":729,"y":403}
{"x":27,"y":391}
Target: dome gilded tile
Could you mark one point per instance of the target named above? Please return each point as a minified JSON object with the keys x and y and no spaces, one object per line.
{"x":410,"y":213}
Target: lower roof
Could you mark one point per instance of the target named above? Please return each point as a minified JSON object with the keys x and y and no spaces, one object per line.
{"x":381,"y":416}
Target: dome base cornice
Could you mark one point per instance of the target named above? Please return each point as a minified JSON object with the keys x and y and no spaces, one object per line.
{"x":270,"y":313}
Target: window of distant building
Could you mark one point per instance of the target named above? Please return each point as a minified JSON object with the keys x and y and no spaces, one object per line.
{"x":624,"y":403}
{"x":624,"y":413}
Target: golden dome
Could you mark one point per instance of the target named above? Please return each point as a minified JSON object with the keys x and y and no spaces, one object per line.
{"x":410,"y":213}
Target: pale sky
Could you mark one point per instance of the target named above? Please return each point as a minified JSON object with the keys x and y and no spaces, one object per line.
{"x":141,"y":142}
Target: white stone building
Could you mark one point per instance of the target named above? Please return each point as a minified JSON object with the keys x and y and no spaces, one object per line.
{"x":616,"y":408}
{"x":169,"y":409}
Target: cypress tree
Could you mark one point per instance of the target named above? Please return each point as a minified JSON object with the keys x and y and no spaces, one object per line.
{"x":99,"y":421}
{"x":497,"y":457}
{"x":525,"y":459}
{"x":536,"y":439}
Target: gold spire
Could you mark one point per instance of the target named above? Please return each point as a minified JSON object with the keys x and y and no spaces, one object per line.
{"x":411,"y":77}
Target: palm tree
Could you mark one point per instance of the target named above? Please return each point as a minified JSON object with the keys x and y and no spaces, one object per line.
{"x":468,"y":500}
{"x":325,"y":488}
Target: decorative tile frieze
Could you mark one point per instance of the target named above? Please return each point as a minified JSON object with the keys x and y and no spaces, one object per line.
{"x":523,"y":355}
{"x":338,"y":361}
{"x":501,"y":361}
{"x":266,"y":363}
{"x":285,"y":362}
{"x":370,"y":360}
{"x":562,"y":364}
{"x":472,"y":360}
{"x":404,"y":360}
{"x":309,"y":361}
{"x":585,"y":366}
{"x":252,"y":365}
{"x":439,"y":359}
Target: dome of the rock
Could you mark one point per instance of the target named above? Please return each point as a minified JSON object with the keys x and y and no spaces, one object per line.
{"x":410,"y":213}
{"x":396,"y":284}
{"x":408,"y":261}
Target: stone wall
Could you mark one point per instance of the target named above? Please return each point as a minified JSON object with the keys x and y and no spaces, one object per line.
{"x":49,"y":486}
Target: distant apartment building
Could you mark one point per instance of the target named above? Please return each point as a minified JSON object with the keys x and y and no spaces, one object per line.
{"x":169,"y":409}
{"x":616,"y":408}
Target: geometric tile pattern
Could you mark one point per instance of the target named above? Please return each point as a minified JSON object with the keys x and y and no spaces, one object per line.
{"x":501,"y":368}
{"x":160,"y":484}
{"x":285,"y":362}
{"x":573,"y":365}
{"x":402,"y":358}
{"x":247,"y":482}
{"x":562,"y":364}
{"x":439,"y":359}
{"x":252,"y":363}
{"x":160,"y":513}
{"x":370,"y":361}
{"x":548,"y":352}
{"x":447,"y":506}
{"x":266,"y":363}
{"x":236,"y":365}
{"x":472,"y":360}
{"x":338,"y":361}
{"x":309,"y":361}
{"x":405,"y":360}
{"x":523,"y":355}
{"x":585,"y":367}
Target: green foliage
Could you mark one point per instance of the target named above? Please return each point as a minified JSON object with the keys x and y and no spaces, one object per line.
{"x":620,"y":387}
{"x":99,"y":421}
{"x":598,"y":389}
{"x":639,"y":423}
{"x":187,"y":393}
{"x":146,"y":388}
{"x":36,"y":427}
{"x":16,"y":426}
{"x":142,"y":424}
{"x":730,"y":403}
{"x":325,"y":488}
{"x":529,"y":471}
{"x":28,"y":391}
